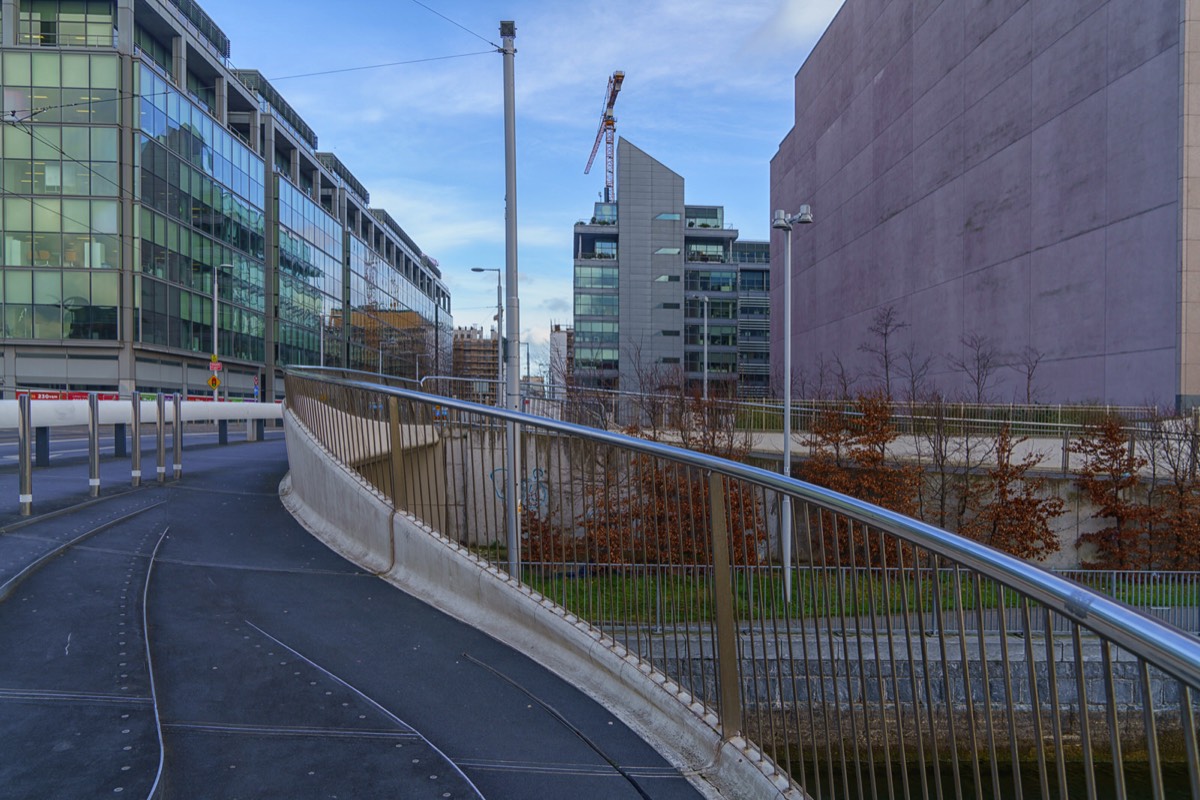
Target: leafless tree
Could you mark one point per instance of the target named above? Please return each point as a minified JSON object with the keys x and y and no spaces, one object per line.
{"x":884,"y":326}
{"x":914,"y":369}
{"x":1027,"y":364}
{"x":978,"y":361}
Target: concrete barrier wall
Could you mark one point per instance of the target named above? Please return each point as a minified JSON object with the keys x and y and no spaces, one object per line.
{"x":355,"y":520}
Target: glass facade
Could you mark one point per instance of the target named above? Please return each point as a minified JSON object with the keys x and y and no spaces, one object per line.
{"x":135,"y":212}
{"x":201,"y":216}
{"x":309,"y":276}
{"x":61,"y":216}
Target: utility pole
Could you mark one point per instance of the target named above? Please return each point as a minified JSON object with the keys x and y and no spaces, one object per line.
{"x":508,"y":32}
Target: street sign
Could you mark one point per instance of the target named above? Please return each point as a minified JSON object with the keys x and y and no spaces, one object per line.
{"x":215,"y":366}
{"x":214,"y":382}
{"x":213,"y":357}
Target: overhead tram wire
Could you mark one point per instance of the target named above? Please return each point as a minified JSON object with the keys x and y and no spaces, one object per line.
{"x":457,"y":25}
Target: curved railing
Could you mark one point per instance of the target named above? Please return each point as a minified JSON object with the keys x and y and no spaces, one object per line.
{"x":865,"y":666}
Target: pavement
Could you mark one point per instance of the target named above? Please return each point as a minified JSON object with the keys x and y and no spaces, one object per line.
{"x":200,"y":612}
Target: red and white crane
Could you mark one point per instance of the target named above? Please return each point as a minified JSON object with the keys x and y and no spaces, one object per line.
{"x":608,"y":127}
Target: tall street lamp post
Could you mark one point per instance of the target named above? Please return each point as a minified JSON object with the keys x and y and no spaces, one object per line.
{"x":784,"y":221}
{"x":499,"y":331}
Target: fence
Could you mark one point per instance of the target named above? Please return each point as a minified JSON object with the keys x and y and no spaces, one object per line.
{"x":891,"y":659}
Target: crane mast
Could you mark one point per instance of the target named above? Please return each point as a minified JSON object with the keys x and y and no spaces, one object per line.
{"x":608,"y":127}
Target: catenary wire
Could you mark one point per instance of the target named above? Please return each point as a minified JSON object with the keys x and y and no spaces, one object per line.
{"x":456,"y":24}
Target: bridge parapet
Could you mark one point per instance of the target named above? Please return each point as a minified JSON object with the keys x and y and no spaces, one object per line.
{"x":644,"y":574}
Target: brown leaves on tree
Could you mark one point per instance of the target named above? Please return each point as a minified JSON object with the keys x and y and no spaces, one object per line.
{"x":1109,"y":478}
{"x":1012,"y":510}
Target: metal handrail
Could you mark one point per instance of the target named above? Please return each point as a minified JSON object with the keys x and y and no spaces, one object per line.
{"x":1151,"y":642}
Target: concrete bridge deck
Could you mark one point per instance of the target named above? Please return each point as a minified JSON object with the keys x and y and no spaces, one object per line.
{"x":191,"y":640}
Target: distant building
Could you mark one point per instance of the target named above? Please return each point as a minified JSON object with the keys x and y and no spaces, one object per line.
{"x":562,"y":359}
{"x":651,"y":274}
{"x":1020,"y":174}
{"x":476,"y":359}
{"x":140,"y":174}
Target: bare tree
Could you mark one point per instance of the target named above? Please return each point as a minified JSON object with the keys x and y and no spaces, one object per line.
{"x":914,"y":370}
{"x":884,"y":326}
{"x":1027,"y":364}
{"x":978,"y":361}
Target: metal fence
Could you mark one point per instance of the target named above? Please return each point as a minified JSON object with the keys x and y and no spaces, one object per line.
{"x":889,"y":659}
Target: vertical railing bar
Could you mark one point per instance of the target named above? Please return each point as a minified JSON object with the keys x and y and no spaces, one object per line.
{"x":830,"y":687}
{"x":874,"y":614}
{"x":816,"y":627}
{"x":1190,"y":750}
{"x":793,"y":627}
{"x":1153,"y":757}
{"x":1056,"y":715}
{"x":727,"y":650}
{"x":930,"y":711}
{"x":855,"y":595}
{"x":1085,"y":727}
{"x":840,"y":605}
{"x":1035,"y":698}
{"x":396,"y":460}
{"x":903,"y":584}
{"x":986,"y":685}
{"x":1010,"y":702}
{"x":940,"y":625}
{"x":93,"y":401}
{"x":1114,"y":723}
{"x":968,"y":685}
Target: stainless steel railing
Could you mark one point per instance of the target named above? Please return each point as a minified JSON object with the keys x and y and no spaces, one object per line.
{"x":890,"y":659}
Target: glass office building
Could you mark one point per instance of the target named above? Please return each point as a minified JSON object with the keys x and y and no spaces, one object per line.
{"x":145,"y":180}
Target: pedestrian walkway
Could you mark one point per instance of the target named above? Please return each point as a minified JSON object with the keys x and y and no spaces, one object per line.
{"x":200,"y":615}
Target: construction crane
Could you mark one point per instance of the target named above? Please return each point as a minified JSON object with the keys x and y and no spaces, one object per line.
{"x":608,"y":126}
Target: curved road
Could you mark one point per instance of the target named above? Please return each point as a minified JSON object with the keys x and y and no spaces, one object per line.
{"x":272,"y":668}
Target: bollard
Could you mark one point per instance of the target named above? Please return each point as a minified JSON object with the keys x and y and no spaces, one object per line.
{"x":260,"y":431}
{"x":222,"y":431}
{"x":93,"y":445}
{"x":161,"y":431}
{"x":177,"y":436}
{"x":24,"y":463}
{"x":135,"y":422}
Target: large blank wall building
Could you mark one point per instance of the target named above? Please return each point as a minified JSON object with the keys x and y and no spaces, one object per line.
{"x":1008,"y":172}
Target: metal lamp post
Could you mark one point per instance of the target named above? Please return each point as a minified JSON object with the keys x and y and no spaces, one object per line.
{"x":784,"y":221}
{"x":499,"y":332}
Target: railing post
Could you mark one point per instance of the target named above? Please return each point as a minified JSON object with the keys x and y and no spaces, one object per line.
{"x":728,"y":668}
{"x":177,"y":436}
{"x":119,"y":441}
{"x":512,"y":498}
{"x":42,"y":446}
{"x":135,"y":424}
{"x":160,"y":430}
{"x":396,"y":458}
{"x":24,"y":453}
{"x":93,"y":445}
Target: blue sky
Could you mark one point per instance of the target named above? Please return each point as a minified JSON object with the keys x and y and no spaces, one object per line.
{"x":708,"y":91}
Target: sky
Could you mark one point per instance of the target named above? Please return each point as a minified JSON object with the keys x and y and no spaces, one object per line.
{"x":708,"y":91}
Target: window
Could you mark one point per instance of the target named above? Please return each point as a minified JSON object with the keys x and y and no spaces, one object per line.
{"x":669,"y":305}
{"x":667,"y":251}
{"x":670,"y":333}
{"x":667,"y":279}
{"x":669,"y":360}
{"x":669,"y":215}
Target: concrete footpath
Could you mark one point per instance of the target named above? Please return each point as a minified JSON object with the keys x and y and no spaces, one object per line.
{"x":201,"y":612}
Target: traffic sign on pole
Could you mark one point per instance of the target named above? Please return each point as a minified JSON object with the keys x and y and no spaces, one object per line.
{"x":214,"y":382}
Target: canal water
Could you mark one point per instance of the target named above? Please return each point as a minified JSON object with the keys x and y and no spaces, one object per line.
{"x":846,"y":786}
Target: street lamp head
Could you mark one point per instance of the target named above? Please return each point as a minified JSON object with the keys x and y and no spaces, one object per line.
{"x":804,"y":216}
{"x":781,"y":221}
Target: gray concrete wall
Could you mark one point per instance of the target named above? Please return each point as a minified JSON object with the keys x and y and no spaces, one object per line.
{"x":1006,"y":168}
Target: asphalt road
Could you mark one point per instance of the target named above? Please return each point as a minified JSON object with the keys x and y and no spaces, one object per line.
{"x":271,"y":667}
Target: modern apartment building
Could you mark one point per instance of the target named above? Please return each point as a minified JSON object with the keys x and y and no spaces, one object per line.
{"x":476,"y":366}
{"x":143,"y":177}
{"x":1018,"y":174}
{"x":652,"y":274}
